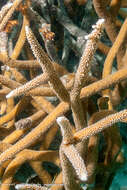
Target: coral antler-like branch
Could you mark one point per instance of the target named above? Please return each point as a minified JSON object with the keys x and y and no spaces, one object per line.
{"x":100,"y":125}
{"x":82,"y":73}
{"x":47,"y":66}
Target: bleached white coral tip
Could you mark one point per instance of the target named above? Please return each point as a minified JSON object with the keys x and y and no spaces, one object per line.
{"x":84,"y":177}
{"x":18,"y":186}
{"x":93,"y":26}
{"x":27,"y":28}
{"x":9,"y":4}
{"x":60,"y":119}
{"x":9,"y":95}
{"x":86,"y":37}
{"x":101,"y":21}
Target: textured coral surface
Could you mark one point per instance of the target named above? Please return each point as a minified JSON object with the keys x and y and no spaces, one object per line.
{"x":63,"y":89}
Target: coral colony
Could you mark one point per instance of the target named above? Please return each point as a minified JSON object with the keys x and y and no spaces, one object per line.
{"x":51,"y":115}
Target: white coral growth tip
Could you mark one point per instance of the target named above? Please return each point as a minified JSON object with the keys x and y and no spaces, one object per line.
{"x":18,"y":186}
{"x":100,"y":21}
{"x":27,"y":29}
{"x":97,"y":30}
{"x":66,"y":129}
{"x":61,"y":122}
{"x":60,"y":119}
{"x":10,"y":94}
{"x":30,"y":186}
{"x":9,"y":5}
{"x":84,"y":177}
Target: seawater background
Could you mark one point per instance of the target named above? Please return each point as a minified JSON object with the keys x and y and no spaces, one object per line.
{"x":86,"y":17}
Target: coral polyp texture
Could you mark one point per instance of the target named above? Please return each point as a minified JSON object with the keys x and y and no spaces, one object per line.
{"x":63,"y":80}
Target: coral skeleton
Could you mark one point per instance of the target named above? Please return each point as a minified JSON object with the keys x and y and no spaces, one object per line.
{"x":60,"y":93}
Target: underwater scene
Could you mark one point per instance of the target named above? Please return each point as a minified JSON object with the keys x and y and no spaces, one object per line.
{"x":63,"y":94}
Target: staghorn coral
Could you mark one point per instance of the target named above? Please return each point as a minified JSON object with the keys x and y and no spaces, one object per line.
{"x":45,"y":38}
